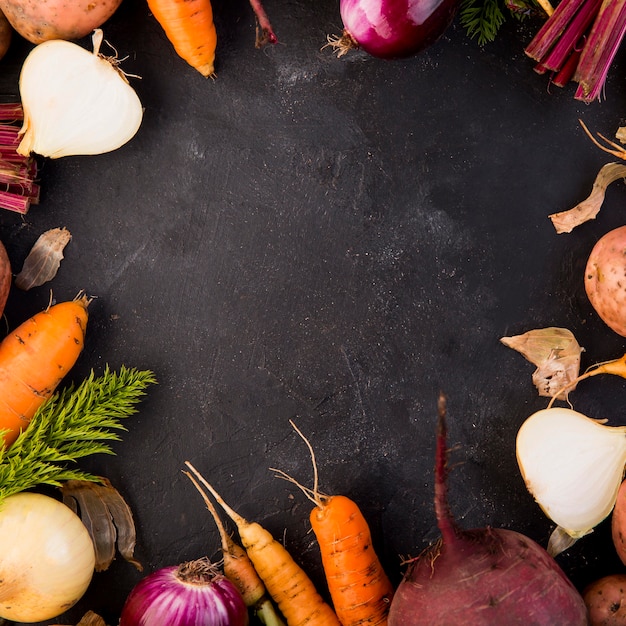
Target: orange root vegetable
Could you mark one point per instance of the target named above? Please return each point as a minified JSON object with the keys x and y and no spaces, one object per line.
{"x":359,"y":587}
{"x":617,"y":367}
{"x":238,"y":567}
{"x":34,"y":358}
{"x":286,"y":582}
{"x":188,"y":24}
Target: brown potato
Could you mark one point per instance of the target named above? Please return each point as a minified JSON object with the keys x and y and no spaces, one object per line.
{"x":606,"y":601}
{"x":6,"y":34}
{"x":39,"y":21}
{"x":605,"y":279}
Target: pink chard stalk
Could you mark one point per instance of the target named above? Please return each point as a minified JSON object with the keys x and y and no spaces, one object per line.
{"x":18,"y":189}
{"x":578,"y":43}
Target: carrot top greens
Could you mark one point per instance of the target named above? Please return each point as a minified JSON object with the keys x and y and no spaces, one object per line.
{"x":74,"y":423}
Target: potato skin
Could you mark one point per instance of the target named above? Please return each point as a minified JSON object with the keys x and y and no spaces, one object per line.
{"x":606,"y":601}
{"x":605,"y":279}
{"x":39,"y":21}
{"x":6,"y":34}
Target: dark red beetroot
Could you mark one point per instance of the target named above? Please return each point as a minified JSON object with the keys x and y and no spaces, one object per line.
{"x":391,"y":29}
{"x":483,"y":576}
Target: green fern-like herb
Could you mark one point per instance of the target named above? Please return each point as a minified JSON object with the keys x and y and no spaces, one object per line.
{"x":74,"y":423}
{"x":481,"y":19}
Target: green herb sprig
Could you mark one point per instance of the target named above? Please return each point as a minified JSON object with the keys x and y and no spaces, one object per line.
{"x":74,"y":423}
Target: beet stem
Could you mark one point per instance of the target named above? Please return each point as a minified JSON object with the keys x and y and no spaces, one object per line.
{"x":445,"y":521}
{"x":553,"y":28}
{"x":265,"y":33}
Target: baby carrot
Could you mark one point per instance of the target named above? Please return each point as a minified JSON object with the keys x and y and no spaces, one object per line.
{"x":237,"y":565}
{"x":284,"y":579}
{"x":360,"y":590}
{"x":34,"y":358}
{"x":188,"y":25}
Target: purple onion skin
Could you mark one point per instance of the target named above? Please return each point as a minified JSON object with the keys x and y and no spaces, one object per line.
{"x":393,"y":29}
{"x":490,"y":576}
{"x":162,"y":599}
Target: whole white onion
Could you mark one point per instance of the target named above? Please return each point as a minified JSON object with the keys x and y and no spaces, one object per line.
{"x":47,"y":558}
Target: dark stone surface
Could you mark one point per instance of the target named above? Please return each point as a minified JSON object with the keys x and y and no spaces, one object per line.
{"x":332,"y":241}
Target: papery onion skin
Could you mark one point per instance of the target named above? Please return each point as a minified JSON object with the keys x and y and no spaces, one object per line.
{"x":47,"y":558}
{"x":392,"y":29}
{"x":191,"y":594}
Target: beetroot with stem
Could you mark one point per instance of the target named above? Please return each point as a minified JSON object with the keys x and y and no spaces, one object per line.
{"x":482,"y":576}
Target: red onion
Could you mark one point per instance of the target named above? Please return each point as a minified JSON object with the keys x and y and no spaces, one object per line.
{"x":393,"y":28}
{"x":191,"y":594}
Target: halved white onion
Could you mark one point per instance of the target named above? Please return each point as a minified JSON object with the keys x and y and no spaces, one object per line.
{"x":75,"y":102}
{"x":572,"y":465}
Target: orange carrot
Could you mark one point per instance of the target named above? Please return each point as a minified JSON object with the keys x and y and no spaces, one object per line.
{"x":284,"y":579}
{"x":34,"y":358}
{"x":237,"y":566}
{"x":188,"y":24}
{"x":360,"y":590}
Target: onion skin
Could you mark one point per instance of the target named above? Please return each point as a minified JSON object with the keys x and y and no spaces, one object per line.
{"x":392,"y":29}
{"x":191,"y":594}
{"x":47,"y":558}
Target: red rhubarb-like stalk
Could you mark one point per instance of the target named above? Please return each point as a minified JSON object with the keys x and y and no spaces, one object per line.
{"x":599,"y":51}
{"x":265,"y":33}
{"x":18,"y":190}
{"x":553,"y":28}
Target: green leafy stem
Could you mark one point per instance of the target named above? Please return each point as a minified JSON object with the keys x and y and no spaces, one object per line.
{"x":76,"y":422}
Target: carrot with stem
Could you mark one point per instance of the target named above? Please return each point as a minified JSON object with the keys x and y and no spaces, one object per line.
{"x":616,"y":367}
{"x":286,"y":582}
{"x":359,"y":587}
{"x":189,"y":27}
{"x":34,"y":358}
{"x":238,"y":567}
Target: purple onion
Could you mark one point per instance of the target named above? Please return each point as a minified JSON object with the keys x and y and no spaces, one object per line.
{"x":194,"y":593}
{"x":391,"y":29}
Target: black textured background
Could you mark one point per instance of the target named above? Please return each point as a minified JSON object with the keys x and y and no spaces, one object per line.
{"x":331,"y":241}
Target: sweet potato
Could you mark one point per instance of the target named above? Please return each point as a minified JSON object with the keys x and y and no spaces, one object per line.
{"x":605,"y":279}
{"x":618,"y":523}
{"x":40,"y":21}
{"x":6,"y":34}
{"x":606,"y":601}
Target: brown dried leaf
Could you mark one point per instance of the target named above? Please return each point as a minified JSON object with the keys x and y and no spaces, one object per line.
{"x":44,"y":259}
{"x":620,"y":135}
{"x":107,"y":517}
{"x":90,"y":619}
{"x":556,"y":354}
{"x":566,"y":221}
